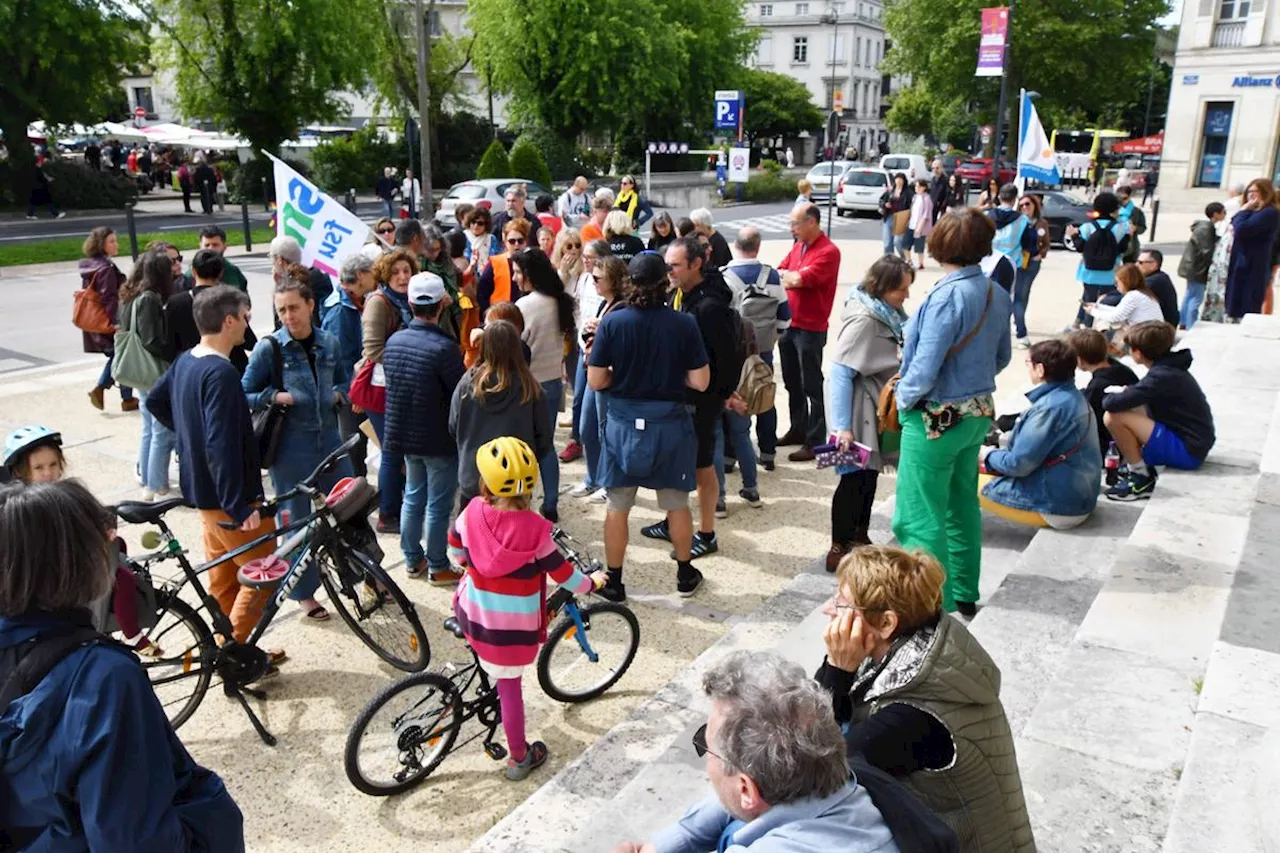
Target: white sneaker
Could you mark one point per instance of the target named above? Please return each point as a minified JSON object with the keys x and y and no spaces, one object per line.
{"x":148,"y":496}
{"x":31,"y":218}
{"x":1024,"y":343}
{"x":61,"y":215}
{"x":598,"y":497}
{"x":582,"y":490}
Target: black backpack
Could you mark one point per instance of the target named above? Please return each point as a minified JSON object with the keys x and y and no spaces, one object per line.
{"x":1101,"y":249}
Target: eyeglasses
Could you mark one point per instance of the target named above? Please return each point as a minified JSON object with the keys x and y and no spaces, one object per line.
{"x":598,"y":278}
{"x":844,"y":605}
{"x":515,"y":241}
{"x":386,"y":230}
{"x":1026,"y":204}
{"x":700,"y":743}
{"x":177,"y":260}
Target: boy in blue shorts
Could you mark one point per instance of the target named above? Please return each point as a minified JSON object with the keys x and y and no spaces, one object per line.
{"x":1164,"y":419}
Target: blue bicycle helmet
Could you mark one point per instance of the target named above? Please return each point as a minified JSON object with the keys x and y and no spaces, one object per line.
{"x":26,"y":438}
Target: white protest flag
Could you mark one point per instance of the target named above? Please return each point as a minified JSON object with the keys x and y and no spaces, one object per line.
{"x":1035,"y":157}
{"x":327,"y":232}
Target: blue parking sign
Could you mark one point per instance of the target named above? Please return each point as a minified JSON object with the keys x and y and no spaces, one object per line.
{"x":728,"y":108}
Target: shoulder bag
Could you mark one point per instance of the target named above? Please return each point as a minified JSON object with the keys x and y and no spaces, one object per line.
{"x":369,"y":386}
{"x":87,"y":313}
{"x":268,"y":424}
{"x":133,"y":364}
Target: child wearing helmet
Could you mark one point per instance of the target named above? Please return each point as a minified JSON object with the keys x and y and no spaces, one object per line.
{"x":33,"y":454}
{"x":501,"y":602}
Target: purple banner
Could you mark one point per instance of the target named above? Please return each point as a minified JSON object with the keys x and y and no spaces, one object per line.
{"x":995,"y":28}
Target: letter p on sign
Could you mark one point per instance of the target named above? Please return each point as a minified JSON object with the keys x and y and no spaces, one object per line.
{"x":728,"y":104}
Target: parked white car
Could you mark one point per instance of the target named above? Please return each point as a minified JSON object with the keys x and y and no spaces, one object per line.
{"x":489,"y":193}
{"x":911,"y":165}
{"x":860,"y":190}
{"x":824,"y":176}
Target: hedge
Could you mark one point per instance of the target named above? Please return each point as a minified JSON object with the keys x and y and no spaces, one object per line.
{"x":527,"y":162}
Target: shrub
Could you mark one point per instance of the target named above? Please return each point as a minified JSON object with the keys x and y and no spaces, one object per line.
{"x":765,"y":186}
{"x":561,"y":156}
{"x":76,"y":187}
{"x":527,"y":162}
{"x":595,"y":161}
{"x":461,"y":139}
{"x":244,"y":181}
{"x":494,"y":163}
{"x":357,"y":161}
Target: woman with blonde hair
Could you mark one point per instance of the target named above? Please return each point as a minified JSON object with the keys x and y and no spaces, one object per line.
{"x":805,"y":190}
{"x":1138,"y":303}
{"x":921,"y":698}
{"x":618,"y":232}
{"x":567,"y":257}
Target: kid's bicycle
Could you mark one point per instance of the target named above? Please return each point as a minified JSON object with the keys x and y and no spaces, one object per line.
{"x":408,"y":729}
{"x":335,"y":537}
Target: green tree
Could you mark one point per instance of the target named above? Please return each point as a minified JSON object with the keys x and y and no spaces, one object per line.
{"x":262,"y":68}
{"x":494,"y":163}
{"x":1080,"y":57}
{"x":63,"y":63}
{"x":777,"y":104}
{"x":527,"y":162}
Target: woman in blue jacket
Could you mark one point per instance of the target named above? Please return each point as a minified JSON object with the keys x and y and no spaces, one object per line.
{"x":1254,"y":227}
{"x":88,"y":760}
{"x":313,"y":381}
{"x":954,"y":347}
{"x":1051,"y":473}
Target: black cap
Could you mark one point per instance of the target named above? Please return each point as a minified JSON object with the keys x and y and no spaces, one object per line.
{"x":647,"y":267}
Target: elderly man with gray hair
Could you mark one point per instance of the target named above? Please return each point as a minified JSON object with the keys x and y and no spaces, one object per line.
{"x":284,"y":253}
{"x":776,"y":761}
{"x":342,"y":312}
{"x":705,"y":225}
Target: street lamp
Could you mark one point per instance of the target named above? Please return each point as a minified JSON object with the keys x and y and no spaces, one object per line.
{"x":833,"y":128}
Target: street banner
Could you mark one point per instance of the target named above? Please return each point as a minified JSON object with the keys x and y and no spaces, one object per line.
{"x":995,"y":28}
{"x":739,"y":164}
{"x":1035,"y":156}
{"x":1142,"y":145}
{"x":327,"y":232}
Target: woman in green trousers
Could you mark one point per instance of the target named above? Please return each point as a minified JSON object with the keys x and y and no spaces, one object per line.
{"x":954,"y":347}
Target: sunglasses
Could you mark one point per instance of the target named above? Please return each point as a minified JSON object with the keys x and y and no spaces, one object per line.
{"x":1026,"y":204}
{"x":700,"y":742}
{"x":386,"y":230}
{"x":177,"y":260}
{"x":520,"y":241}
{"x":598,"y":278}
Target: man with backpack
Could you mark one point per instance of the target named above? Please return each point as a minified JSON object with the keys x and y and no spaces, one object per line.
{"x":1101,"y":243}
{"x":758,"y":295}
{"x":1130,"y":213}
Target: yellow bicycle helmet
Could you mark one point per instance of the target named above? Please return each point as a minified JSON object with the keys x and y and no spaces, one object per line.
{"x":507,"y":467}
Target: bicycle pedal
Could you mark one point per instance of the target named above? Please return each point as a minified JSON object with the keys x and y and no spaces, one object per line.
{"x":496,"y":751}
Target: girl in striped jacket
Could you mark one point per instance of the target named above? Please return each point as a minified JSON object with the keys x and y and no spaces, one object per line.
{"x":501,"y":603}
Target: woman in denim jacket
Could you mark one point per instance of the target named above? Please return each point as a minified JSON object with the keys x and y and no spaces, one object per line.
{"x":1052,"y":472}
{"x":954,"y":347}
{"x":314,"y":377}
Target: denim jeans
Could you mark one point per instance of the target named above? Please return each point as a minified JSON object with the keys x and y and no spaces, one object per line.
{"x":902,"y":244}
{"x":387,"y":209}
{"x":549,"y":465}
{"x":886,"y":234}
{"x":1021,"y":295}
{"x":580,"y":391}
{"x":153,"y":452}
{"x":106,"y":380}
{"x":1191,"y":302}
{"x":801,"y":355}
{"x":390,"y":473}
{"x":767,"y":422}
{"x":299,"y":454}
{"x":740,"y":438}
{"x":594,"y":406}
{"x":1092,"y":293}
{"x":432,"y":482}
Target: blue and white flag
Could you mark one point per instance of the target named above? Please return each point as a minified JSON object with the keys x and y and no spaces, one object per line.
{"x":1035,"y":157}
{"x":327,"y":232}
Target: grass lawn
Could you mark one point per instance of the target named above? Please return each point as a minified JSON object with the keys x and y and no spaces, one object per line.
{"x":68,"y":248}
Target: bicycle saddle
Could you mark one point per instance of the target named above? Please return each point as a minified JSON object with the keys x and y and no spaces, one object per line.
{"x":451,"y":625}
{"x":141,"y":512}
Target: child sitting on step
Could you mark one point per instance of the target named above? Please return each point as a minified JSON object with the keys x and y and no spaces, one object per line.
{"x":501,"y":602}
{"x":1163,"y":419}
{"x":1093,"y":356}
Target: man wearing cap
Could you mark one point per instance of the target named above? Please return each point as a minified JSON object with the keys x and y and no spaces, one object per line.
{"x":422,"y":366}
{"x":647,"y":355}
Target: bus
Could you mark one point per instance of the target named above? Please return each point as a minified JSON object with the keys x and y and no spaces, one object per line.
{"x":1078,"y":151}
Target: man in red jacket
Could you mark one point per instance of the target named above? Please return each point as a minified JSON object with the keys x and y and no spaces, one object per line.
{"x":809,"y":273}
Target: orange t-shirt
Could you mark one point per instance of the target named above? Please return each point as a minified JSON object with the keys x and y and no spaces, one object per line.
{"x":591,"y":231}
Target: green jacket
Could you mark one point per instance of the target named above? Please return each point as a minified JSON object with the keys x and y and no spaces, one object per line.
{"x":233,"y":276}
{"x":1198,"y":253}
{"x":943,"y":671}
{"x":149,"y":314}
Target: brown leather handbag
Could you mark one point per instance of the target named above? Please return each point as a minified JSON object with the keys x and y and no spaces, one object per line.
{"x":87,"y":313}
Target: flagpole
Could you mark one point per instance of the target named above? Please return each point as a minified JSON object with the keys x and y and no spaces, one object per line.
{"x":1022,"y":130}
{"x":1004,"y":86}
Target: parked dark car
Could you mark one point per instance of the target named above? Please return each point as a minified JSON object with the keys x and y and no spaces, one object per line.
{"x":1060,"y":210}
{"x":977,"y":171}
{"x":951,"y":162}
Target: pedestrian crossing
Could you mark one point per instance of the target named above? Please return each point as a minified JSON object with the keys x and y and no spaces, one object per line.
{"x":781,"y":223}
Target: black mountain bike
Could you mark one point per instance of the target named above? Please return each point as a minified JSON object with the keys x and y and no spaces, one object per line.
{"x":336,"y":538}
{"x":408,"y":729}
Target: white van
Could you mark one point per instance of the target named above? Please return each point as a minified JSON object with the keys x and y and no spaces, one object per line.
{"x":912,"y":165}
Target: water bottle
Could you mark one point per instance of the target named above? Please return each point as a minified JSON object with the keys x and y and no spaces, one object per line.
{"x":1111,"y":463}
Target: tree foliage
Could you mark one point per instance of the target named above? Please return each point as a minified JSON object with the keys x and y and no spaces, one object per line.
{"x":262,"y":68}
{"x":777,"y":104}
{"x":527,"y":162}
{"x":1085,"y":59}
{"x":62,"y":63}
{"x":494,"y":163}
{"x":609,"y":65}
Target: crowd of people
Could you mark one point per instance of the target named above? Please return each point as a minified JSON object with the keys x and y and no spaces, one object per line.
{"x":454,"y":352}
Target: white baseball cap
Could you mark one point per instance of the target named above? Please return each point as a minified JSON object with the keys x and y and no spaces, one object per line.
{"x":426,"y":288}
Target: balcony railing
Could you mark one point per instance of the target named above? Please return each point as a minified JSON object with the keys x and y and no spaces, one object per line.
{"x":1228,"y":34}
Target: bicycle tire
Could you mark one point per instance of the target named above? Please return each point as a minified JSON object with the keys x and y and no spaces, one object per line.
{"x":560,"y":634}
{"x":450,"y":702}
{"x":415,"y":654}
{"x":159,"y":669}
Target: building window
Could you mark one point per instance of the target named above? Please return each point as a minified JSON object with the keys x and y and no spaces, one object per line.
{"x":857,"y":53}
{"x":800,"y":49}
{"x":433,"y":24}
{"x":1234,"y":9}
{"x":837,"y":8}
{"x":802,"y":8}
{"x":766,"y":10}
{"x":829,"y":94}
{"x":837,"y":50}
{"x":142,"y":98}
{"x":878,"y":54}
{"x":764,"y":51}
{"x":867,"y":57}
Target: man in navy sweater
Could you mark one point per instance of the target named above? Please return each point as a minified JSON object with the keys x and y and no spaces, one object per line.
{"x":423,"y":366}
{"x":201,"y":400}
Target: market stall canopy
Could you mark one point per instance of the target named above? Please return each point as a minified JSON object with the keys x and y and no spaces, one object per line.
{"x":1142,"y":145}
{"x":105,"y":130}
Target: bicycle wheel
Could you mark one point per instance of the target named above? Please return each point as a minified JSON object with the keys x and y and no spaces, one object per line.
{"x":403,"y":734}
{"x":181,"y":676}
{"x":375,"y":608}
{"x":567,"y":673}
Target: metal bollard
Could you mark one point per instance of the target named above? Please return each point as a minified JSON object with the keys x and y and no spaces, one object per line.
{"x":266,"y":201}
{"x":133,"y":230}
{"x":248,"y":232}
{"x":1155,"y":217}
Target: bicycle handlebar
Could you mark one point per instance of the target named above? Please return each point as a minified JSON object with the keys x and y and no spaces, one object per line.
{"x":306,"y":485}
